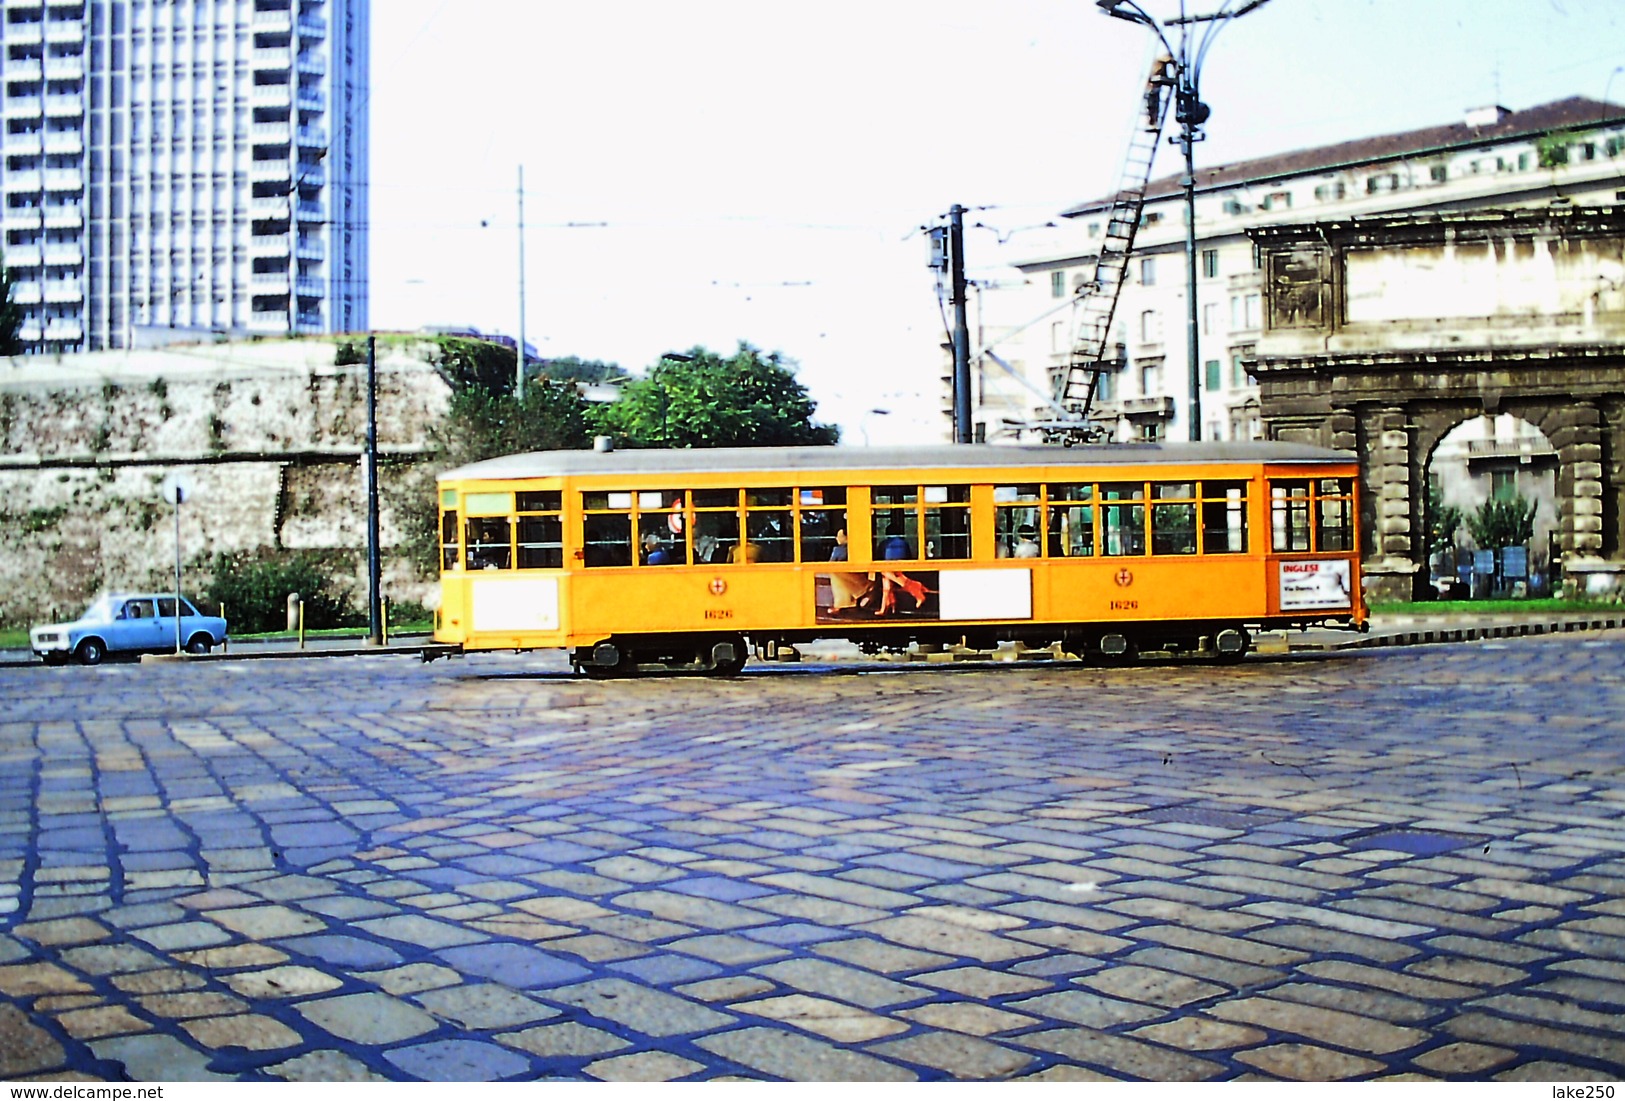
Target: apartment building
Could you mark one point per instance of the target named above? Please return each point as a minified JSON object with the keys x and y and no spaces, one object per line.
{"x":176,"y":169}
{"x":1571,"y":152}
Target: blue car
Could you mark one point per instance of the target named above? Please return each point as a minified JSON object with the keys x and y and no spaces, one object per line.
{"x":128,"y":623}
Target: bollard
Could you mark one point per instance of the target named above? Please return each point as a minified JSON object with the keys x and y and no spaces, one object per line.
{"x":225,"y":643}
{"x":301,"y":625}
{"x":293,"y":611}
{"x":383,"y":620}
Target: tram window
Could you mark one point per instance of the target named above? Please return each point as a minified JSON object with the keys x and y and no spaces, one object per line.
{"x":823,"y":513}
{"x":1173,"y":518}
{"x":1334,"y":529}
{"x":1016,"y":521}
{"x":540,"y":530}
{"x":448,"y":540}
{"x":607,"y":529}
{"x":663,"y":527}
{"x":947,"y":521}
{"x":1071,"y":520}
{"x":1224,"y":517}
{"x":896,"y":522}
{"x":541,"y":542}
{"x":1122,"y":515}
{"x":1289,"y":516}
{"x":487,"y":539}
{"x":716,"y":525}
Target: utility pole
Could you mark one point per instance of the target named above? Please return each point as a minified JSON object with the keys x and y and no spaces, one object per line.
{"x":519,"y":365}
{"x":956,"y":260}
{"x":375,"y":618}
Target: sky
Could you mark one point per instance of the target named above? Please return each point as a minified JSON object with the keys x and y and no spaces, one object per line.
{"x":720,"y":171}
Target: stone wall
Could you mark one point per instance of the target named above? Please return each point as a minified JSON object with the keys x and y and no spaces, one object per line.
{"x":271,"y":434}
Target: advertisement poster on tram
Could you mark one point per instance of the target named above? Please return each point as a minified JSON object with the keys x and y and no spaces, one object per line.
{"x":1324,"y":584}
{"x":883,"y":594}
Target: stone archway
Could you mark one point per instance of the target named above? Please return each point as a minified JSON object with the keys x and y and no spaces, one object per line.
{"x":1390,"y":386}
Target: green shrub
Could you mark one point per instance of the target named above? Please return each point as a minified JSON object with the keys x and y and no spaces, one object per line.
{"x":254,"y":588}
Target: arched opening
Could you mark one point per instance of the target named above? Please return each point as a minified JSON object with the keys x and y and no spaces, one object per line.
{"x":1490,"y":512}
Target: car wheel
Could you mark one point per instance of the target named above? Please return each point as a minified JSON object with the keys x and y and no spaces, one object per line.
{"x":199,"y":644}
{"x":90,"y":652}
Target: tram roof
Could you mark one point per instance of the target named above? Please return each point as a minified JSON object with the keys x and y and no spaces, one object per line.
{"x":753,"y":460}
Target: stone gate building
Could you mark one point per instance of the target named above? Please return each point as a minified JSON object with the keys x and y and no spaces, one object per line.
{"x":1381,"y":335}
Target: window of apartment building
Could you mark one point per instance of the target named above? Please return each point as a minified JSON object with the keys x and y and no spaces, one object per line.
{"x":1523,"y":162}
{"x":1057,"y":336}
{"x":1150,"y":431}
{"x":1614,"y":146}
{"x":1148,"y":271}
{"x":1057,"y":284}
{"x":1587,"y":150}
{"x":1215,"y":377}
{"x":1210,"y":263}
{"x":1277,"y":200}
{"x":1103,"y":386}
{"x":1383,"y":181}
{"x":1244,"y":311}
{"x":1150,"y":327}
{"x":1238,"y":373}
{"x":1439,"y":173}
{"x":1150,"y":377}
{"x":1210,"y":317}
{"x":1503,"y":485}
{"x":1151,"y":218}
{"x":1234,"y":206}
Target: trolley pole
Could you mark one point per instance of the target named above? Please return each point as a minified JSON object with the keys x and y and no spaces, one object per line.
{"x":375,"y":635}
{"x":956,"y":258}
{"x":519,"y":364}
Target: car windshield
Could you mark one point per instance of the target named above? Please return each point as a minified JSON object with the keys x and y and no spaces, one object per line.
{"x":102,"y":611}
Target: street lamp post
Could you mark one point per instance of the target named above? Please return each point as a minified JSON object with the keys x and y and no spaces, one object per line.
{"x":1196,"y":34}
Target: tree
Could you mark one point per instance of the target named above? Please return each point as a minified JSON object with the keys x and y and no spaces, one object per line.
{"x":481,"y":424}
{"x":704,"y":400}
{"x":1503,"y":523}
{"x":11,"y":316}
{"x":1443,"y":522}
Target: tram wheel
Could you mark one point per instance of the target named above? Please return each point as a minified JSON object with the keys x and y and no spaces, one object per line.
{"x":1231,"y":645}
{"x":729,"y":666}
{"x":622,"y":662}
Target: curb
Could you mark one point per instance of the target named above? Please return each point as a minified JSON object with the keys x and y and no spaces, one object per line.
{"x":1470,"y":634}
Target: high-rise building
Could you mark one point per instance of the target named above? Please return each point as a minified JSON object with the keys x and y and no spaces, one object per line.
{"x":178,"y":168}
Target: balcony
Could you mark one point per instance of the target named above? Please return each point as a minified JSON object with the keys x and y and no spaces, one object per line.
{"x":273,"y":321}
{"x":25,"y":34}
{"x":24,"y":69}
{"x":270,"y":171}
{"x":311,"y":287}
{"x":64,"y":256}
{"x":1524,"y":450}
{"x":26,"y":294}
{"x":64,"y":181}
{"x":272,"y":133}
{"x":67,"y":216}
{"x":69,"y":142}
{"x":22,"y":107}
{"x":25,"y":145}
{"x":269,"y":245}
{"x":280,"y":19}
{"x":311,"y":212}
{"x":312,"y":64}
{"x":26,"y":180}
{"x":65,"y":68}
{"x":271,"y":57}
{"x":64,"y":106}
{"x":60,"y":32}
{"x":312,"y":26}
{"x":23,"y":256}
{"x":1158,"y":406}
{"x":313,"y":137}
{"x":272,"y":95}
{"x":25,"y":5}
{"x":311,"y":248}
{"x":20,"y":218}
{"x":64,"y":328}
{"x":64,"y":290}
{"x":270,"y":206}
{"x":269,"y":282}
{"x":311,"y":99}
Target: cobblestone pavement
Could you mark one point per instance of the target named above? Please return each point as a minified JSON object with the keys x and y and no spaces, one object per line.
{"x":1363,"y":865}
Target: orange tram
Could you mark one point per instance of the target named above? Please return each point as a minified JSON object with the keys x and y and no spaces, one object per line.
{"x":697,"y":558}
